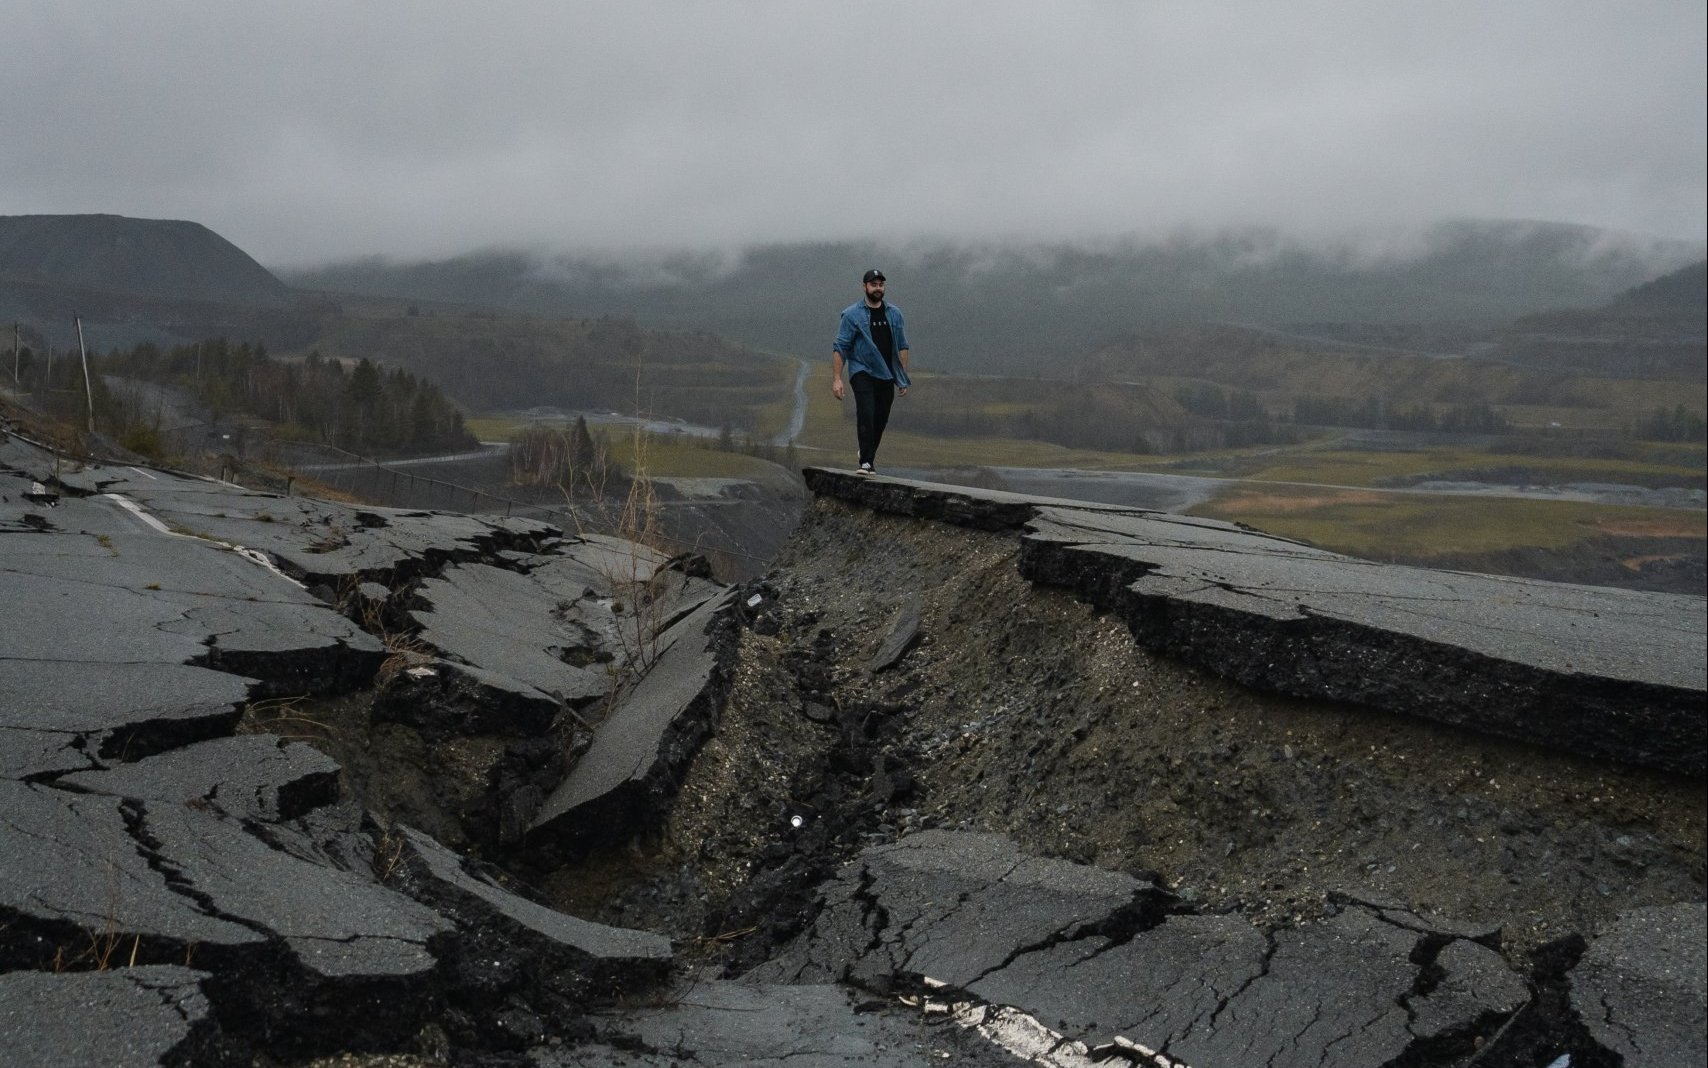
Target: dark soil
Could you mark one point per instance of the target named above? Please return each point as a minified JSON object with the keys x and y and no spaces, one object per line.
{"x":1024,"y":711}
{"x":1656,"y":565}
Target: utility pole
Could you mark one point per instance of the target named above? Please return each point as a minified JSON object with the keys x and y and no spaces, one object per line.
{"x":15,"y":383}
{"x":88,"y":387}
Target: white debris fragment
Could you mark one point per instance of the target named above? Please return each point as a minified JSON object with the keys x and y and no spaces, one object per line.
{"x":754,"y":600}
{"x":1026,"y":1037}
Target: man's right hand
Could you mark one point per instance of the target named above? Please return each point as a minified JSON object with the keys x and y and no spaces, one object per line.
{"x":836,"y":387}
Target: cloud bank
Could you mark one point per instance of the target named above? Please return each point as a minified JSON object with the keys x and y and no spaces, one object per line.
{"x":308,"y":132}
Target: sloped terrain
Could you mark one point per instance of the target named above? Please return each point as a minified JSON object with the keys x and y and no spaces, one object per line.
{"x":284,"y":780}
{"x":131,"y":281}
{"x":146,"y":257}
{"x":998,"y":307}
{"x":1312,"y":831}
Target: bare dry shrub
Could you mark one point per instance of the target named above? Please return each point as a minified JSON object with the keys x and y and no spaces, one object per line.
{"x":403,"y":644}
{"x":284,"y":716}
{"x":388,"y":855}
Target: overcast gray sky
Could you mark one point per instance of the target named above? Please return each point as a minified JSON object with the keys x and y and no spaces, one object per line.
{"x":308,"y":131}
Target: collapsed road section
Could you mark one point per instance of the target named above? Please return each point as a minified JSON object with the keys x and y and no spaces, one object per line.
{"x":966,"y":778}
{"x":1607,"y":673}
{"x":225,"y":717}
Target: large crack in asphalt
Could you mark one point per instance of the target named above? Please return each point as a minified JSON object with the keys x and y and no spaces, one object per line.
{"x":847,"y":771}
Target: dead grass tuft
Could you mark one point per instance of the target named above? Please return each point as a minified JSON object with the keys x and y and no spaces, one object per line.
{"x":283,"y":716}
{"x":1681,"y":526}
{"x":1259,"y":501}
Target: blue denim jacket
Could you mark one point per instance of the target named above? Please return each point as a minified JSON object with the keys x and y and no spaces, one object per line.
{"x":854,"y":341}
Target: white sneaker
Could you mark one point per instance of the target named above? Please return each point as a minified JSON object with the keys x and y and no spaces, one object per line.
{"x":866,"y":469}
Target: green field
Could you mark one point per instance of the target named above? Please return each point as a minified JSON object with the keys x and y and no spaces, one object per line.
{"x":1327,"y":491}
{"x":1372,"y":468}
{"x":672,"y":458}
{"x":659,"y":455}
{"x":829,"y":429}
{"x":1380,"y":526}
{"x":1343,"y":508}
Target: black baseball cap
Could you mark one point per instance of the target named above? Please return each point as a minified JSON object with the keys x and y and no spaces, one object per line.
{"x":873,"y":275}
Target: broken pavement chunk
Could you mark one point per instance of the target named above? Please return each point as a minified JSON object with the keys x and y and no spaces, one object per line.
{"x":644,"y":744}
{"x":1166,"y":982}
{"x":337,"y":923}
{"x":580,"y":956}
{"x":124,"y":1018}
{"x":505,"y":623}
{"x":1611,"y":673}
{"x":247,"y":776}
{"x":949,"y":906}
{"x":1639,"y":988}
{"x":116,"y":709}
{"x":903,"y":632}
{"x":1092,"y":955}
{"x":73,"y":861}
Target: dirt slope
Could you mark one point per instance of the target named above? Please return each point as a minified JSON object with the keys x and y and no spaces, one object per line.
{"x":1021,"y":710}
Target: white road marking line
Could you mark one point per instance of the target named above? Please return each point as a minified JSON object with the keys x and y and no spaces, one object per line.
{"x":137,"y":510}
{"x":255,"y":556}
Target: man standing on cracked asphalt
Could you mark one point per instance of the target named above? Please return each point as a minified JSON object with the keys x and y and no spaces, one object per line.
{"x":872,"y":343}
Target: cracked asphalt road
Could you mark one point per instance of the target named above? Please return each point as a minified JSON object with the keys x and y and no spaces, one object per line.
{"x":969,"y":778}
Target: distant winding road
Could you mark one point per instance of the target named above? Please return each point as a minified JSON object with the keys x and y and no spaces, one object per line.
{"x":487,"y":448}
{"x":798,"y":419}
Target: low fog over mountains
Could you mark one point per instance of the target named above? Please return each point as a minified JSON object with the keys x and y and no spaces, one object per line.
{"x":994,"y":308}
{"x":1001,"y":307}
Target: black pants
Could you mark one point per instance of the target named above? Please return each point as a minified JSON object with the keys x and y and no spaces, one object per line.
{"x":872,"y":400}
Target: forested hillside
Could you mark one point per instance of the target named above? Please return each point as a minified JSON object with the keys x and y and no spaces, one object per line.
{"x":364,"y":408}
{"x":1684,"y":293}
{"x":1655,"y":330}
{"x":1244,"y":372}
{"x":490,"y":361}
{"x":1015,"y":309}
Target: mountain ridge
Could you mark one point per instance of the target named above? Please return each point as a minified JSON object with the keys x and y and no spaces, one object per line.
{"x":1002,"y":307}
{"x":170,"y":259}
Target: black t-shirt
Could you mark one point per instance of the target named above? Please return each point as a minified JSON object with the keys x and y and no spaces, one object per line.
{"x":881,"y":334}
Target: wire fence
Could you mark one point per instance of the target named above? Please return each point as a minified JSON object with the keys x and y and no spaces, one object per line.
{"x":738,"y":537}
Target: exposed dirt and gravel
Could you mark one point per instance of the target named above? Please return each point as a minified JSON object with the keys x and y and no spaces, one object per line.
{"x":1021,"y":710}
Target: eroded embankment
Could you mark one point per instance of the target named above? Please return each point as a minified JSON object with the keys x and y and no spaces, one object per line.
{"x":1022,"y":710}
{"x":1019,"y":709}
